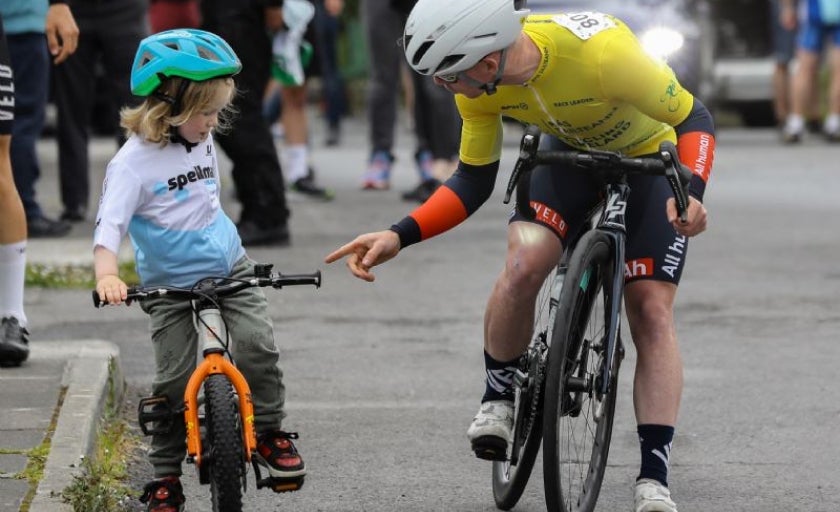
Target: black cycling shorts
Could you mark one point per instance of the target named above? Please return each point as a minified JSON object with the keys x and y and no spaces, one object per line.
{"x":7,"y":86}
{"x":563,"y":200}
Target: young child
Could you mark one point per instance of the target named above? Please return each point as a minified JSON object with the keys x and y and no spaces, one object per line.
{"x":162,"y":188}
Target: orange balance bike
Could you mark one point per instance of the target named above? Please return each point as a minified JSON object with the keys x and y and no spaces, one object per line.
{"x":217,"y":408}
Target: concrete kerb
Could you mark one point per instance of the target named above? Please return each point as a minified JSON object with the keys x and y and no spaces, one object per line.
{"x":92,"y":373}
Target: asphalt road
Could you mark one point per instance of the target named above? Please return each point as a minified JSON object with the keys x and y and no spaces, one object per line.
{"x":384,"y":378}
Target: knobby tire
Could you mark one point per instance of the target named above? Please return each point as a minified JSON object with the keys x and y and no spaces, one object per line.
{"x":224,"y":433}
{"x":575,"y":442}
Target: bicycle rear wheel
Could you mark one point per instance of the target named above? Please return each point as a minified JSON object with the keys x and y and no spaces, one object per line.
{"x":578,"y":420}
{"x":224,"y":447}
{"x":511,"y":476}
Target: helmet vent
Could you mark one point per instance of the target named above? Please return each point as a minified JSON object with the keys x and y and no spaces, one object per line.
{"x":144,"y":59}
{"x":449,"y":61}
{"x":204,"y":53}
{"x":418,"y":55}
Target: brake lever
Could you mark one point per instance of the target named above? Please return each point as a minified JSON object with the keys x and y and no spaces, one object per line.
{"x":527,"y":156}
{"x":678,"y":177}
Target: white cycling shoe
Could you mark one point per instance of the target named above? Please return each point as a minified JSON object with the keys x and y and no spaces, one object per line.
{"x":652,"y":496}
{"x":490,"y":430}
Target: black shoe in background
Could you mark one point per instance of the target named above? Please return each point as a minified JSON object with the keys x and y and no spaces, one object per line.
{"x":254,"y":235}
{"x":423,"y":191}
{"x":42,"y":227}
{"x":76,"y":214}
{"x":306,"y":186}
{"x":814,"y":126}
{"x":14,"y":342}
{"x":333,"y":136}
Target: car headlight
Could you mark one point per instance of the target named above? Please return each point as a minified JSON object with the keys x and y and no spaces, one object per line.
{"x":662,"y":42}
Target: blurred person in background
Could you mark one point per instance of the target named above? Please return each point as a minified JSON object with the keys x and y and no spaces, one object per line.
{"x":327,"y":26}
{"x":109,"y":34}
{"x":818,"y":23}
{"x":437,"y":125}
{"x":784,"y":45}
{"x":36,"y":30}
{"x":61,"y":32}
{"x":247,"y":26}
{"x":292,"y":57}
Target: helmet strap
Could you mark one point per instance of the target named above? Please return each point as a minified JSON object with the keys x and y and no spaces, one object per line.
{"x":175,"y":109}
{"x":488,"y":87}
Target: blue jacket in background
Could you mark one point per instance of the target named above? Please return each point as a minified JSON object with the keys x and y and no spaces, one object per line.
{"x":21,"y":16}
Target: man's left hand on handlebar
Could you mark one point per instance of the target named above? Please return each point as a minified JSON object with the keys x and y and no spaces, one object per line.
{"x":367,"y":251}
{"x":696,"y":222}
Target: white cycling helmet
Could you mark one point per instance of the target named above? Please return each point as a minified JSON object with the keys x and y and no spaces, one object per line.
{"x":443,"y":37}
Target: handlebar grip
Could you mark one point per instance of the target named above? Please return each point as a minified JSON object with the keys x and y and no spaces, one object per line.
{"x":98,"y":302}
{"x":297,"y":279}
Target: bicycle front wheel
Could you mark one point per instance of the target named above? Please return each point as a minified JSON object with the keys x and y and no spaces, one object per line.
{"x":224,"y":444}
{"x":578,"y":416}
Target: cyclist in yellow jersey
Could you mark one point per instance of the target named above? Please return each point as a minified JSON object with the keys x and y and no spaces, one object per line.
{"x":585,"y":80}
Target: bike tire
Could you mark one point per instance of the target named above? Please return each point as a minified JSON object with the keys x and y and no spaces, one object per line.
{"x":510,"y":478}
{"x":577,"y":425}
{"x":509,"y":481}
{"x":226,"y":463}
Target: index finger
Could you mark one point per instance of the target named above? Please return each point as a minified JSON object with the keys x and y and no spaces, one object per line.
{"x":341,"y":252}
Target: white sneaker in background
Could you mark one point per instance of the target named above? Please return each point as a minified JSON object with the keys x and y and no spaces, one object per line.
{"x":793,"y":129}
{"x":831,"y":128}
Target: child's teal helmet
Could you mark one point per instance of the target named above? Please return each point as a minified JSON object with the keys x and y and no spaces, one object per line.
{"x":193,"y":54}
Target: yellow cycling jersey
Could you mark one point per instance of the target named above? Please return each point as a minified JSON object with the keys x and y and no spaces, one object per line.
{"x":595,"y":88}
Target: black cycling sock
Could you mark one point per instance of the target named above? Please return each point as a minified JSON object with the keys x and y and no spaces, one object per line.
{"x":499,"y":378}
{"x":655,"y":441}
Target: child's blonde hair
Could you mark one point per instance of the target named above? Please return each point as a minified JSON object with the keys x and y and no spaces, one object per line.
{"x":153,"y":121}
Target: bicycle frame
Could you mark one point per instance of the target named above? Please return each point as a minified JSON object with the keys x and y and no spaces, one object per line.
{"x":612,"y":218}
{"x":211,"y":330}
{"x":612,"y":222}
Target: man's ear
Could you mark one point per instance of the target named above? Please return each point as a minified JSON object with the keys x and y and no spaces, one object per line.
{"x":491,"y":62}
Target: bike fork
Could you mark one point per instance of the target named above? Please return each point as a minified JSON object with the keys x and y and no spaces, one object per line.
{"x":216,"y":363}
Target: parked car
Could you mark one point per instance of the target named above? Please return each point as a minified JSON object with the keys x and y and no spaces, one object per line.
{"x":680,"y":31}
{"x":743,"y":71}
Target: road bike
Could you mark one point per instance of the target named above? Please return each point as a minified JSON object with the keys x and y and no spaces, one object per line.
{"x":565,"y":387}
{"x":217,"y":408}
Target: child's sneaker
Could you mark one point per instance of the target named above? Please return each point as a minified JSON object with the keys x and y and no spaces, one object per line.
{"x":378,"y":173}
{"x":276,"y":453}
{"x":164,"y":495}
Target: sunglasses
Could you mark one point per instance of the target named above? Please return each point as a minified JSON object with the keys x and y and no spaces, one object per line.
{"x":450,"y":78}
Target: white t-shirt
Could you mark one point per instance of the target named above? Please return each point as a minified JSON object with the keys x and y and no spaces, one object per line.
{"x":167,"y":200}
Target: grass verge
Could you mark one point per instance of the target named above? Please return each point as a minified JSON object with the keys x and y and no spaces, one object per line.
{"x":102,"y":485}
{"x":73,"y":276}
